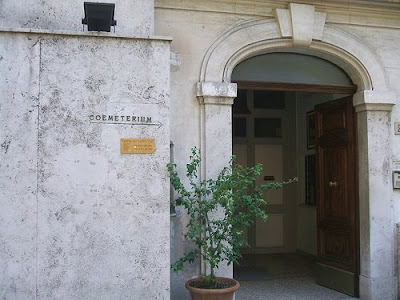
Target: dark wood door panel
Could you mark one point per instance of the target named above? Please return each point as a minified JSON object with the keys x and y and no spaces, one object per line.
{"x":336,"y":249}
{"x":337,"y":137}
{"x":337,"y":202}
{"x":334,"y":185}
{"x":333,"y":120}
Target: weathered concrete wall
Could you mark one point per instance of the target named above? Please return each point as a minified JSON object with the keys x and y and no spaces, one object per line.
{"x":134,"y":17}
{"x":79,"y":219}
{"x":19,"y":94}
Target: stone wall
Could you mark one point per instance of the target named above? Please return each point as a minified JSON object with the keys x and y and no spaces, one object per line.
{"x":79,"y":219}
{"x":134,"y":17}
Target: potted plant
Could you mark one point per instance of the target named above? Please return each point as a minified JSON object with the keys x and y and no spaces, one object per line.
{"x":219,"y":210}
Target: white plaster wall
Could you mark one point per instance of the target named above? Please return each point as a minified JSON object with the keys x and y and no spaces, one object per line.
{"x":198,"y":25}
{"x":134,"y":17}
{"x":386,"y":44}
{"x":193,"y":33}
{"x":79,"y":219}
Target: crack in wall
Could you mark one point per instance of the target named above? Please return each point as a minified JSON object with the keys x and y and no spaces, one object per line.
{"x":37,"y":167}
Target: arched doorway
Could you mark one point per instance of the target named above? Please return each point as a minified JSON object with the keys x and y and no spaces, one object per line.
{"x":372,"y":101}
{"x":286,"y":103}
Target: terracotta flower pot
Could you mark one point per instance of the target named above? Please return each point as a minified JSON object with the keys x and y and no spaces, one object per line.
{"x":212,"y":294}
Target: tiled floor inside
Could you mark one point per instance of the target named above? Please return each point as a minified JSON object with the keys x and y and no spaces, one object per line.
{"x":280,"y":276}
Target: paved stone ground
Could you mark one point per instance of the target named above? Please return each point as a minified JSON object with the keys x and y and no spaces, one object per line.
{"x":281,"y":276}
{"x":300,"y":288}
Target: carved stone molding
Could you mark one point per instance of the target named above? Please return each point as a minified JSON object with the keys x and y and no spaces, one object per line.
{"x":374,"y":101}
{"x":217,"y":93}
{"x":254,"y":37}
{"x":301,"y":22}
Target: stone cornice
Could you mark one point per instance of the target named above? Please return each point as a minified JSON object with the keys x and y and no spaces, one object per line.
{"x":216,"y":93}
{"x":45,"y":32}
{"x":374,"y":101}
{"x":357,"y":12}
{"x":244,"y":6}
{"x":216,"y":100}
{"x":216,"y":89}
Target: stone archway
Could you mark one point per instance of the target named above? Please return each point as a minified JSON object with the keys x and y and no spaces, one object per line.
{"x":373,"y":102}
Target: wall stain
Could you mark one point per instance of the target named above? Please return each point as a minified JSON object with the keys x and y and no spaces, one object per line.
{"x":60,"y":215}
{"x":5,"y":145}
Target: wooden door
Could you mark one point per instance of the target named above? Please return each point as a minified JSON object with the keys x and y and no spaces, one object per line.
{"x":337,"y":197}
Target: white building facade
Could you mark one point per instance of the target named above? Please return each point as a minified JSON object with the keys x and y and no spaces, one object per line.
{"x":84,"y":217}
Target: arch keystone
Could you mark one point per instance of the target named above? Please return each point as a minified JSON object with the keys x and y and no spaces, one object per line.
{"x":301,"y":22}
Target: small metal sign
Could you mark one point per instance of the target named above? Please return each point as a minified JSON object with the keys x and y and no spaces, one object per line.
{"x":396,"y":179}
{"x":397,"y":128}
{"x":138,"y":146}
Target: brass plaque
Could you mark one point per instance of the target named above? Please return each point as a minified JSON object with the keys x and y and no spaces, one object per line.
{"x":138,"y":146}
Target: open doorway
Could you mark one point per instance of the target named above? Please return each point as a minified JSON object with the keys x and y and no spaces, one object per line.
{"x":275,"y":124}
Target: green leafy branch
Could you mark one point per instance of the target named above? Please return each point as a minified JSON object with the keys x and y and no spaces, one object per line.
{"x":219,"y":237}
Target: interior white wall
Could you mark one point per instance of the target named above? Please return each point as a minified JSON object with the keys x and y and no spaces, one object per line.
{"x":306,"y":214}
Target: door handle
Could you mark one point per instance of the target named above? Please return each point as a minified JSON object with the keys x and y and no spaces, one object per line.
{"x":332,"y":183}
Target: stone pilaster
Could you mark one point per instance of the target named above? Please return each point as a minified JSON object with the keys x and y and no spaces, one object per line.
{"x":216,"y":101}
{"x":377,"y":229}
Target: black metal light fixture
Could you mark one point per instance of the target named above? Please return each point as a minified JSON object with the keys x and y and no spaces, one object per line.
{"x":99,"y":16}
